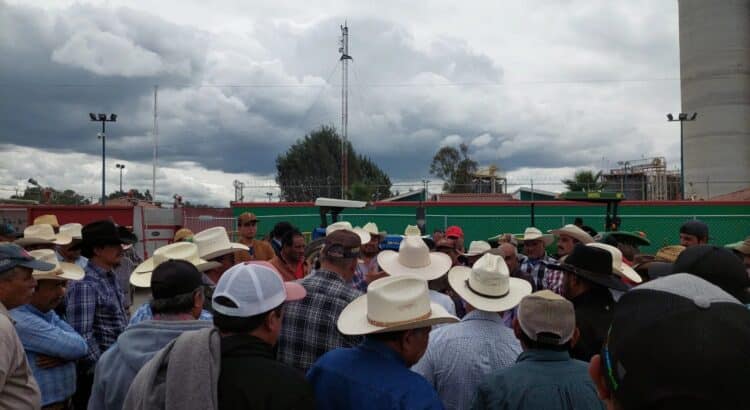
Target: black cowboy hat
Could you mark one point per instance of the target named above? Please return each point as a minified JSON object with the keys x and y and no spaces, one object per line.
{"x":104,"y":232}
{"x":593,"y":264}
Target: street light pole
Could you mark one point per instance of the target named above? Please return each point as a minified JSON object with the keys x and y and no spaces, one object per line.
{"x":103,"y":119}
{"x":682,"y":117}
{"x":121,"y":167}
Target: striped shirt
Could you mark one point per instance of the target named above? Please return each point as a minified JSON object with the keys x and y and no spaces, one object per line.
{"x":47,"y":334}
{"x":95,"y":309}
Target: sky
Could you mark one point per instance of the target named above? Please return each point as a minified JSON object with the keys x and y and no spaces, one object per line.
{"x":538,"y":88}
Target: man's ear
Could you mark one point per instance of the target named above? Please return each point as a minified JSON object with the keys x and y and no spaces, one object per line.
{"x":517,"y":328}
{"x":597,"y":375}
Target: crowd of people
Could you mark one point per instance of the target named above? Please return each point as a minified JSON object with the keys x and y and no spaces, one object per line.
{"x":341,"y":323}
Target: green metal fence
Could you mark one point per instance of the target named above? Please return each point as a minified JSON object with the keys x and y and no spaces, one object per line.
{"x":728,"y":222}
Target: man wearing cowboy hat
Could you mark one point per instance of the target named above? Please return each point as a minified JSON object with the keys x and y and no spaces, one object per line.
{"x":48,"y":219}
{"x":177,"y":287}
{"x":588,"y":279}
{"x":544,"y":376}
{"x":368,"y":269}
{"x":19,"y":389}
{"x":214,"y":246}
{"x":71,"y":252}
{"x":51,"y":345}
{"x":537,"y":261}
{"x":95,"y":305}
{"x":42,"y":236}
{"x":459,"y":356}
{"x":310,"y":324}
{"x":475,"y":251}
{"x":395,"y":317}
{"x":568,"y":237}
{"x":247,"y":228}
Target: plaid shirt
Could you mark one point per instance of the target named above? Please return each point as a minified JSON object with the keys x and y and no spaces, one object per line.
{"x":309,"y":328}
{"x":95,"y":310}
{"x":47,"y":334}
{"x":543,"y":277}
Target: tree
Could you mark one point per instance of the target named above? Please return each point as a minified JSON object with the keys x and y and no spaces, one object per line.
{"x":455,"y":167}
{"x":311,"y":168}
{"x":52,"y":196}
{"x":132,"y":193}
{"x":585,"y":181}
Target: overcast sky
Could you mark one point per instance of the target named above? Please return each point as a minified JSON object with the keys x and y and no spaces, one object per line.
{"x":539,"y":88}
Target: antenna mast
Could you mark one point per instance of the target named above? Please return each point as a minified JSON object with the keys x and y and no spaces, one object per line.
{"x":345,"y":57}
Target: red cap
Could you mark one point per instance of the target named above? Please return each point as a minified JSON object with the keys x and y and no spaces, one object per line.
{"x":454,"y":232}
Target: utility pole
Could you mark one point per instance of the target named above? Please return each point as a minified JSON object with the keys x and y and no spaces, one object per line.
{"x":156,"y":144}
{"x":682,"y":117}
{"x":345,"y":57}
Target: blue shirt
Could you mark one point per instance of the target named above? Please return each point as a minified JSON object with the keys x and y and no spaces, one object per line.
{"x":95,"y":309}
{"x":369,"y":376}
{"x":460,"y":355}
{"x":82,"y":261}
{"x":144,"y":313}
{"x":47,"y":334}
{"x":540,"y":379}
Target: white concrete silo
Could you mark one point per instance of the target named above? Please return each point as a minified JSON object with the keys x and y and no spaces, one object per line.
{"x":715,"y":83}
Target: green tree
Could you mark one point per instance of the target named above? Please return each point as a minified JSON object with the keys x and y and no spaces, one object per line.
{"x":584,"y":181}
{"x":455,"y":167}
{"x":132,"y":193}
{"x":311,"y":168}
{"x":52,"y":196}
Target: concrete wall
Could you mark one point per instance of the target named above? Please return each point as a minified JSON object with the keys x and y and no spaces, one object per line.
{"x":715,"y":83}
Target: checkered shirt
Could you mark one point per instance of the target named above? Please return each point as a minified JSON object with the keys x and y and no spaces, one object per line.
{"x":309,"y":328}
{"x":95,"y":309}
{"x":542,"y":277}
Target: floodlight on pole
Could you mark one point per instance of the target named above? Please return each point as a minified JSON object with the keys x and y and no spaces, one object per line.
{"x":120,"y":167}
{"x":682,"y":117}
{"x":103,"y":119}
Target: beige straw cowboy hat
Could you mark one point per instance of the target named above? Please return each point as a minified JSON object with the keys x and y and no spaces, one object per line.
{"x":574,"y":232}
{"x":392,"y":304}
{"x":364,"y":237}
{"x":372,"y":229}
{"x":214,"y":242}
{"x":48,"y":219}
{"x":42,"y":234}
{"x":477,"y":248}
{"x":487,"y":285}
{"x":73,"y":230}
{"x":141,"y":276}
{"x":414,"y":258}
{"x":62,"y":270}
{"x":534,"y":234}
{"x":618,"y":266}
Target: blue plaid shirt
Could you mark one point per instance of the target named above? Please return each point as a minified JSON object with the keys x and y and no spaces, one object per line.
{"x":95,"y":309}
{"x":47,"y":334}
{"x":144,"y":313}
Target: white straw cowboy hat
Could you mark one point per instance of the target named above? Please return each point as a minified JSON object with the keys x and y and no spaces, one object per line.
{"x":618,"y":266}
{"x":533,"y":234}
{"x":414,"y":258}
{"x":73,"y":230}
{"x":42,"y":234}
{"x":574,"y":232}
{"x":364,"y":237}
{"x":392,"y":304}
{"x":487,"y":285}
{"x":412,"y":230}
{"x":372,"y":229}
{"x":62,"y":270}
{"x":477,"y":248}
{"x":214,"y":242}
{"x":141,"y":276}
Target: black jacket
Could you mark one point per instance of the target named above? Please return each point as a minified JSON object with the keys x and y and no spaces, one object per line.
{"x":251,"y":378}
{"x":594,"y":310}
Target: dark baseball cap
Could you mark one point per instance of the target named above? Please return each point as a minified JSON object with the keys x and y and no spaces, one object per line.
{"x":12,"y":255}
{"x":341,"y":243}
{"x":678,"y":342}
{"x":717,"y":265}
{"x":696,"y":228}
{"x":9,"y":231}
{"x":175,"y":277}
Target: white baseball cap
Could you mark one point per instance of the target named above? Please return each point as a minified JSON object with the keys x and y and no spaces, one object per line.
{"x":255,"y":288}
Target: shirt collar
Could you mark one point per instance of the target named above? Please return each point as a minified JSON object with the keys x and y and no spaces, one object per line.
{"x":326,"y":274}
{"x":382,"y":349}
{"x":477,"y":314}
{"x":541,"y":355}
{"x":97,"y":269}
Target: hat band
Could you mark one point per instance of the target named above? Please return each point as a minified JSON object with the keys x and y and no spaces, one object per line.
{"x":398,"y":323}
{"x":484,"y":295}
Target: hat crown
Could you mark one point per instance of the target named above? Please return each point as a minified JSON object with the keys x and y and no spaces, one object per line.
{"x":592,"y":259}
{"x":412,"y":230}
{"x":338,"y":225}
{"x":371,"y":228}
{"x":613,"y":251}
{"x":181,"y":250}
{"x":397,"y":299}
{"x":547,"y":312}
{"x":413,"y":252}
{"x":490,"y":276}
{"x":479,"y":247}
{"x":41,"y":231}
{"x":575,"y":232}
{"x":46,"y":255}
{"x":46,"y":219}
{"x":531,"y":232}
{"x":72,"y":229}
{"x":211,"y":240}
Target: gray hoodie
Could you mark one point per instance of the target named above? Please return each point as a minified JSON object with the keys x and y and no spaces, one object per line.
{"x":118,"y":366}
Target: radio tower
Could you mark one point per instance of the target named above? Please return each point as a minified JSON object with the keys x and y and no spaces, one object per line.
{"x":345,"y":57}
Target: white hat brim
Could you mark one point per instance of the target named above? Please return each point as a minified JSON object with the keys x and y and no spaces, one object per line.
{"x":141,"y":276}
{"x":547,"y":238}
{"x":583,"y":238}
{"x":353,"y":319}
{"x":440,"y":264}
{"x":70,"y":271}
{"x":518,"y":288}
{"x":364,"y":236}
{"x":629,"y":273}
{"x":60,"y":239}
{"x":233,"y":247}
